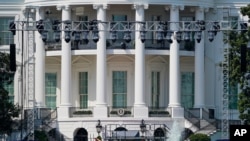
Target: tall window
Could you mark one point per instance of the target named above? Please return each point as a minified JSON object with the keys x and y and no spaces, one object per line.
{"x":187,"y":89}
{"x":50,"y":90}
{"x":119,"y":18}
{"x":9,"y":87}
{"x":6,"y":36}
{"x":233,"y":96}
{"x":83,"y":89}
{"x":119,"y":89}
{"x":155,"y":89}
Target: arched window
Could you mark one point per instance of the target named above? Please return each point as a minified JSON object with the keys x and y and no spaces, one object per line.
{"x":81,"y":135}
{"x":160,"y":134}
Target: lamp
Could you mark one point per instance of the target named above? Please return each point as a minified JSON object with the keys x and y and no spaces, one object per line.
{"x":85,"y":37}
{"x":44,"y":34}
{"x":12,"y":27}
{"x":57,"y":35}
{"x":143,"y":32}
{"x":95,"y":33}
{"x":40,"y":26}
{"x":198,"y":36}
{"x":216,"y":27}
{"x":201,"y":24}
{"x":211,"y":35}
{"x":127,"y":36}
{"x":143,"y":126}
{"x":67,"y":35}
{"x":113,"y":35}
{"x":99,"y":127}
{"x":178,"y":36}
{"x":187,"y":36}
{"x":77,"y":36}
{"x":168,"y":37}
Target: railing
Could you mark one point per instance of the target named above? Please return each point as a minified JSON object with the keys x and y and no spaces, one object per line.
{"x":150,"y":44}
{"x":120,"y":111}
{"x":158,"y":112}
{"x":192,"y":118}
{"x":81,"y":112}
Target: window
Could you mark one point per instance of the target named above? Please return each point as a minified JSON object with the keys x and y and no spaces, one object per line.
{"x":50,"y":90}
{"x":6,"y":36}
{"x":119,"y":89}
{"x":155,"y":89}
{"x":187,"y":89}
{"x":83,"y":89}
{"x":233,"y":20}
{"x":9,"y":87}
{"x":119,"y":18}
{"x":233,"y":96}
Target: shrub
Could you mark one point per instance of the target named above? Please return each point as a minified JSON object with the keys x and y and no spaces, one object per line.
{"x":199,"y":137}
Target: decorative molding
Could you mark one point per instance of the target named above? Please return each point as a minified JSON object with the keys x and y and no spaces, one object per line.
{"x":104,"y":6}
{"x":174,"y":7}
{"x":138,"y":5}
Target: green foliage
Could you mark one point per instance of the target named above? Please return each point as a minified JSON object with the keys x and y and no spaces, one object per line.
{"x":7,"y":112}
{"x":40,"y":136}
{"x":236,"y":40}
{"x":199,"y":137}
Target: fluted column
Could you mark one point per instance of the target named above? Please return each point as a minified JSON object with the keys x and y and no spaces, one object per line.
{"x":174,"y":66}
{"x":101,"y":104}
{"x":199,"y":100}
{"x":140,"y":109}
{"x":66,"y":92}
{"x":39,"y":64}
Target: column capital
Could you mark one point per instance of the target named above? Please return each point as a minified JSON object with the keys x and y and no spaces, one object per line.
{"x":65,"y":7}
{"x":201,"y":9}
{"x":104,"y":6}
{"x":174,"y":7}
{"x":139,"y":5}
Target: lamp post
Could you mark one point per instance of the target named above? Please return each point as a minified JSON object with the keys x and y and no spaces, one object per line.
{"x":143,"y":127}
{"x":99,"y":127}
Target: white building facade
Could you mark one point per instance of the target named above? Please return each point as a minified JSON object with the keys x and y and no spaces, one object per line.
{"x":73,"y":84}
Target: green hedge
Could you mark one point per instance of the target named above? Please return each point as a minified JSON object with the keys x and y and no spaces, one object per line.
{"x":199,"y":137}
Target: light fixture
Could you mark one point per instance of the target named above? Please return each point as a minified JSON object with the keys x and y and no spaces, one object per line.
{"x":178,"y":36}
{"x":159,"y":33}
{"x":123,"y":45}
{"x":67,"y":36}
{"x":113,"y":35}
{"x":143,"y":33}
{"x":216,"y":27}
{"x":12,"y":27}
{"x":168,"y":36}
{"x":85,"y":37}
{"x":201,"y":24}
{"x":210,"y":35}
{"x":57,"y":35}
{"x":40,"y":26}
{"x":143,"y":126}
{"x":187,"y":36}
{"x":198,"y":36}
{"x":44,"y":34}
{"x":95,"y":33}
{"x":77,"y":36}
{"x":98,"y":127}
{"x":127,"y":36}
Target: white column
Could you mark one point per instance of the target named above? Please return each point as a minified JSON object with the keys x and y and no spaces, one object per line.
{"x":140,"y":109}
{"x":66,"y":92}
{"x":39,"y":64}
{"x":100,"y":109}
{"x":174,"y":66}
{"x":199,"y":95}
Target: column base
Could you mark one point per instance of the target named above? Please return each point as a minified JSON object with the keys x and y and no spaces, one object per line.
{"x":100,"y":112}
{"x":177,"y":112}
{"x":63,"y":112}
{"x":141,"y":112}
